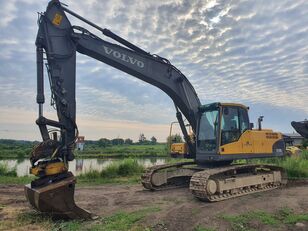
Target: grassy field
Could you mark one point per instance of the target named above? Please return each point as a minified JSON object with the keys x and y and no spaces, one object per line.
{"x":15,"y":151}
{"x":20,"y":151}
{"x":122,"y":221}
{"x":157,"y":150}
{"x":247,"y":221}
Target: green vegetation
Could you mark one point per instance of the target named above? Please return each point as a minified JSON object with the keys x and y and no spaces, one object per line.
{"x":9,"y":176}
{"x":118,"y":221}
{"x":16,"y":180}
{"x":124,"y":221}
{"x":6,"y":171}
{"x":17,"y":149}
{"x":295,"y":166}
{"x":126,"y":170}
{"x":305,"y":143}
{"x":121,"y":151}
{"x":201,"y":228}
{"x":247,"y":221}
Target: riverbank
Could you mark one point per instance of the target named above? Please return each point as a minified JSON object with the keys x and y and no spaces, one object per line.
{"x":129,"y":170}
{"x":122,"y":151}
{"x":23,"y":150}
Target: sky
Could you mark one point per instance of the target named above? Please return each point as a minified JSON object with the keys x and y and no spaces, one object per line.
{"x":244,"y":51}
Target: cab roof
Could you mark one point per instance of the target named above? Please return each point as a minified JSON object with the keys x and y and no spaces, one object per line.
{"x":215,"y":105}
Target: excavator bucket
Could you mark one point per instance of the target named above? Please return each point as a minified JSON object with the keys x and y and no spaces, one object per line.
{"x":301,"y":128}
{"x":57,"y":199}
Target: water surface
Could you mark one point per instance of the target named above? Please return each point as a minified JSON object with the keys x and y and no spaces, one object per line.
{"x":78,"y":166}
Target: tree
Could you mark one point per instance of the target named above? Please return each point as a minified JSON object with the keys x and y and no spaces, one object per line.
{"x":117,"y":141}
{"x":128,"y":141}
{"x":153,"y":140}
{"x":142,"y":138}
{"x":104,"y":142}
{"x":177,"y":138}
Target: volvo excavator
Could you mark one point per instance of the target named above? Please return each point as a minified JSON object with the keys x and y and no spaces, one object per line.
{"x":222,"y":131}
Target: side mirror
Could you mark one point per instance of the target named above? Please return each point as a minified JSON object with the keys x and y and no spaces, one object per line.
{"x":251,"y":126}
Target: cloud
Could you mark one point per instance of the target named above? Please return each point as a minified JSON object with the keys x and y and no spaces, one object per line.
{"x":254,"y":52}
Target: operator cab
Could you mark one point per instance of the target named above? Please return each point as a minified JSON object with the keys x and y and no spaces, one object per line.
{"x":220,"y":124}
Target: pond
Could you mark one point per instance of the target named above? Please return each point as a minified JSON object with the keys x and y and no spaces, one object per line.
{"x":78,"y":166}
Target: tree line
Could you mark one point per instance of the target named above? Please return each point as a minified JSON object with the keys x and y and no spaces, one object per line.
{"x":105,"y":142}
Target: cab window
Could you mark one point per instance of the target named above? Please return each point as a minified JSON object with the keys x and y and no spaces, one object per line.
{"x":208,"y":130}
{"x":230,"y":125}
{"x":244,"y":120}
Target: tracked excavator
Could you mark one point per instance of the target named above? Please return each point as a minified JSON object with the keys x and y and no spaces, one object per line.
{"x":222,"y":131}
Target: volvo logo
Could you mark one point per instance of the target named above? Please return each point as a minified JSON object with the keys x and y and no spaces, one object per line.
{"x":123,"y":57}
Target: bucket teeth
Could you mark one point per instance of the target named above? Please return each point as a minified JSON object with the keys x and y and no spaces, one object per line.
{"x":57,"y":199}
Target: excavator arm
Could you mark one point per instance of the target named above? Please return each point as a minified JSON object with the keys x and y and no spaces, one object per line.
{"x":60,"y":41}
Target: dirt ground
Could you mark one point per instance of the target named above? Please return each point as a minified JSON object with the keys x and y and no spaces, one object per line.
{"x":179,"y":210}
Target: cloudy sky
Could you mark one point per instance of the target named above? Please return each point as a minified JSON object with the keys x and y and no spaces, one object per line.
{"x":252,"y":52}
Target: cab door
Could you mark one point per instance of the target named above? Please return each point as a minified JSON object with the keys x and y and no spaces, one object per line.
{"x":235,"y":130}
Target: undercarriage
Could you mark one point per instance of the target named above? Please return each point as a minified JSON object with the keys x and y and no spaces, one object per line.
{"x":215,"y":183}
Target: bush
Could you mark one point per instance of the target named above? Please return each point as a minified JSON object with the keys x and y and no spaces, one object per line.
{"x":129,"y":167}
{"x":295,"y":166}
{"x":123,"y":168}
{"x":110,"y":171}
{"x":6,"y":171}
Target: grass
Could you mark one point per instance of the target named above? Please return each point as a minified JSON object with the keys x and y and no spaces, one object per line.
{"x":21,"y":151}
{"x":16,"y":180}
{"x":6,"y":171}
{"x":127,"y":170}
{"x":295,"y":166}
{"x":123,"y":220}
{"x":119,"y":221}
{"x":201,"y":228}
{"x":157,"y":150}
{"x":284,"y":216}
{"x":9,"y":176}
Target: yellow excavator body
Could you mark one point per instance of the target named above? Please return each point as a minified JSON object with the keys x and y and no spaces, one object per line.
{"x":250,"y":142}
{"x":253,"y":142}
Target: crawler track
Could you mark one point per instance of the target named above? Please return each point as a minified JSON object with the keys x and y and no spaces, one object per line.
{"x":219,"y":184}
{"x":150,"y":173}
